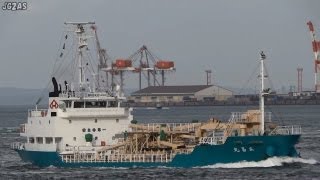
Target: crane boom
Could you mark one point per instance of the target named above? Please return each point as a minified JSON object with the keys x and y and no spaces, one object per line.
{"x":102,"y":55}
{"x":101,"y":52}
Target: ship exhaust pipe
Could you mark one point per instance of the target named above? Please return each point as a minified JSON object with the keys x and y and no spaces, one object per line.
{"x":55,"y":92}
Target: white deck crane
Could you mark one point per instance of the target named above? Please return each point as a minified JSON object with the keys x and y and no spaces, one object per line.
{"x":102,"y":55}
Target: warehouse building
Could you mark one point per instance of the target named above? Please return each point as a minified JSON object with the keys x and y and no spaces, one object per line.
{"x":181,"y":93}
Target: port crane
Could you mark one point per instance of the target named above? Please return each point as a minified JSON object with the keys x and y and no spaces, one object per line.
{"x":316,"y":51}
{"x":146,"y":64}
{"x":150,"y":65}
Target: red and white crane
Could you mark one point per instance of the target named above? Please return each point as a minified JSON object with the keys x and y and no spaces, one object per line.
{"x":316,"y":51}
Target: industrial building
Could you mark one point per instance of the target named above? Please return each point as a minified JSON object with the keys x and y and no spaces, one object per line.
{"x":181,"y":93}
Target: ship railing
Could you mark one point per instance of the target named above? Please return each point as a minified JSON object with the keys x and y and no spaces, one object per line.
{"x":37,"y":112}
{"x":83,"y":94}
{"x":287,"y":130}
{"x":249,"y":116}
{"x":245,"y":117}
{"x":156,"y":127}
{"x":17,"y":146}
{"x":88,"y":95}
{"x":80,"y":148}
{"x":89,"y":112}
{"x":117,"y":157}
{"x":212,"y":140}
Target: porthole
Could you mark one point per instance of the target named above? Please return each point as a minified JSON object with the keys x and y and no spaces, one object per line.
{"x":95,"y":120}
{"x":84,"y":130}
{"x":94,"y":129}
{"x":99,"y":129}
{"x":117,"y":120}
{"x":96,"y":138}
{"x":74,"y":138}
{"x":89,"y":130}
{"x":70,"y":121}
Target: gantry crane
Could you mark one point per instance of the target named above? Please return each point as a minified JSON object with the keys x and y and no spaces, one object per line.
{"x":148,"y":63}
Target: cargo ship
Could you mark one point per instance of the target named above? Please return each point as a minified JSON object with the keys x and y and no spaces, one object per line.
{"x":85,"y":126}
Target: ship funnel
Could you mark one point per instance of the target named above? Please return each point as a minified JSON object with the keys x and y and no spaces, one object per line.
{"x":55,"y":92}
{"x":55,"y":85}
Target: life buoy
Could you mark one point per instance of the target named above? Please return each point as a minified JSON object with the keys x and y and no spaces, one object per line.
{"x":54,"y":104}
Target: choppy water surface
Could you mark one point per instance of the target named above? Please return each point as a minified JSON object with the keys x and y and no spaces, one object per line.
{"x":307,"y":167}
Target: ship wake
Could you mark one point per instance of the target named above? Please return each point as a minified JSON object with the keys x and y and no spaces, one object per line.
{"x":270,"y":162}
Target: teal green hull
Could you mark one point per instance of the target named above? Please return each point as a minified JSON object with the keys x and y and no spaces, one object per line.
{"x":235,"y":149}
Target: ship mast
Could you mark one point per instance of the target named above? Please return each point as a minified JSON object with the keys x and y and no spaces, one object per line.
{"x":82,"y":42}
{"x":262,"y":91}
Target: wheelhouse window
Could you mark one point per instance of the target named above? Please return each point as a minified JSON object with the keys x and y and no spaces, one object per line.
{"x":89,"y":104}
{"x":31,"y":140}
{"x":112,"y":104}
{"x":68,"y":104}
{"x":78,"y":104}
{"x":95,"y":104}
{"x":49,"y":140}
{"x":39,"y":140}
{"x":58,"y":139}
{"x":102,"y":104}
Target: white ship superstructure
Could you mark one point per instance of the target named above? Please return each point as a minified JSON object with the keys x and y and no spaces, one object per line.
{"x":77,"y":116}
{"x":69,"y":119}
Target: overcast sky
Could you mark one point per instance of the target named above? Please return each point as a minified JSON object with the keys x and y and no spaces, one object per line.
{"x":223,"y":35}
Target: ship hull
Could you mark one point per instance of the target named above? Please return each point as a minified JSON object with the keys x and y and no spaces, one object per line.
{"x":235,"y":149}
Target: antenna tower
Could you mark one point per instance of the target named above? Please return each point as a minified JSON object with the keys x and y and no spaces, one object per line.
{"x":299,"y":79}
{"x":208,"y":72}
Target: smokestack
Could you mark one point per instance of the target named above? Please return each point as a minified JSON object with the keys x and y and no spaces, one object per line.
{"x":55,"y":85}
